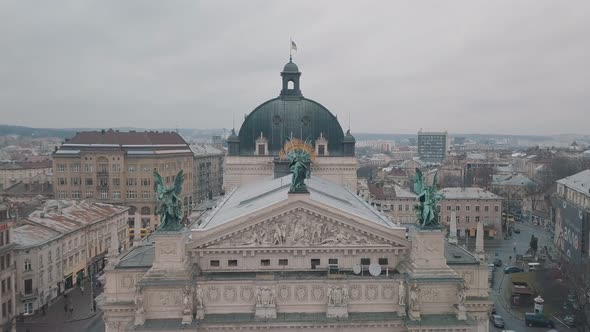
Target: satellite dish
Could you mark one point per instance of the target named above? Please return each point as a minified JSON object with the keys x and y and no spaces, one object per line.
{"x":356,"y":269}
{"x":375,"y":269}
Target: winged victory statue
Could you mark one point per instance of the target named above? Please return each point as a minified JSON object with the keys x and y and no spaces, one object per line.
{"x":169,"y":203}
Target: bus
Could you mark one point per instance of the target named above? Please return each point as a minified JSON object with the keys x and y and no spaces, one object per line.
{"x":143,"y":233}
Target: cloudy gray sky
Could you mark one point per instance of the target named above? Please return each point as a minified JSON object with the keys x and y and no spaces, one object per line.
{"x":395,"y":66}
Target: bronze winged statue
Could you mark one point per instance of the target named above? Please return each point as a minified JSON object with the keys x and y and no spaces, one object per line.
{"x":299,"y":160}
{"x":426,"y":211}
{"x":169,"y":203}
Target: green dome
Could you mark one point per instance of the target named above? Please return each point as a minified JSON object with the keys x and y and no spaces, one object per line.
{"x":348,"y":137}
{"x":290,"y":67}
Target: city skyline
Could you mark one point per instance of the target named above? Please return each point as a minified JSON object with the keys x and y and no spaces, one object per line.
{"x":502,"y":67}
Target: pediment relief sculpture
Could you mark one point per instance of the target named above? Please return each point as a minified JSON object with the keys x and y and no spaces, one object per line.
{"x":298,"y":229}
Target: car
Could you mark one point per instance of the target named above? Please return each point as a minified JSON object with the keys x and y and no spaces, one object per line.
{"x":497,"y":320}
{"x":516,"y":230}
{"x":497,"y":262}
{"x":533,"y":319}
{"x":512,"y":269}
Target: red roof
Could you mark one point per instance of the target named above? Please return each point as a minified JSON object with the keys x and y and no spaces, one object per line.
{"x":126,"y":138}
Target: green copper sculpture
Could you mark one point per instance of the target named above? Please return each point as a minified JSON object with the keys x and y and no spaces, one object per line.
{"x":298,"y":161}
{"x":169,"y":204}
{"x":426,"y":211}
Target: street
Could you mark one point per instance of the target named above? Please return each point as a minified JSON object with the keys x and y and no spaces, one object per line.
{"x":504,"y":250}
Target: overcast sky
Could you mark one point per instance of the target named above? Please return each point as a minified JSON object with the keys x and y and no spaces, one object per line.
{"x":519,"y":67}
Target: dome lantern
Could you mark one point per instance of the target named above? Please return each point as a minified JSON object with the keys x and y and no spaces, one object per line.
{"x":291,"y":76}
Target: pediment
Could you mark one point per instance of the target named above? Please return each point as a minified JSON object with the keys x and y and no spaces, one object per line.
{"x":302,"y":228}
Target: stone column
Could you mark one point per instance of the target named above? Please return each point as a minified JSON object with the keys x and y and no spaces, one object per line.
{"x":113,"y":253}
{"x":479,"y":250}
{"x":137,"y":231}
{"x":453,"y":228}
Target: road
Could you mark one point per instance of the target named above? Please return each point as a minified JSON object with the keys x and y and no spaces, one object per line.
{"x":504,"y":249}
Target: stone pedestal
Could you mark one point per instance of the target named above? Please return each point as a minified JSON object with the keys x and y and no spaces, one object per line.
{"x":266,"y":312}
{"x":139,"y":317}
{"x":170,"y":250}
{"x":461,"y":312}
{"x":401,"y":311}
{"x":427,"y":258}
{"x":337,"y":311}
{"x":187,"y":318}
{"x":200,"y":313}
{"x":414,"y":314}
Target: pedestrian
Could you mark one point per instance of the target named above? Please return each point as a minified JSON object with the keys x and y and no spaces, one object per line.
{"x":71,"y":311}
{"x":66,"y":307}
{"x":82,"y":289}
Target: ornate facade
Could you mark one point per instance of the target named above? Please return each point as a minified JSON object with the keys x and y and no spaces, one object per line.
{"x":267,"y":259}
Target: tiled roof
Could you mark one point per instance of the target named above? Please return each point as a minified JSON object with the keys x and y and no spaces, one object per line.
{"x":205,"y":149}
{"x":579,"y":181}
{"x":126,"y":138}
{"x":30,"y":235}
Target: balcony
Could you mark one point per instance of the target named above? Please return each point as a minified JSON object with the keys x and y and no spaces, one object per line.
{"x":26,"y":296}
{"x":102,"y":173}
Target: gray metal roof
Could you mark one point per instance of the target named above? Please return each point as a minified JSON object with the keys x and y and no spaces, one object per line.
{"x":31,"y":235}
{"x":205,"y":150}
{"x":257,"y":196}
{"x":139,"y":257}
{"x":458,"y":255}
{"x":467,"y":193}
{"x":579,"y":181}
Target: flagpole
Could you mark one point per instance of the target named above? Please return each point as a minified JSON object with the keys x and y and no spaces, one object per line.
{"x":290,"y":49}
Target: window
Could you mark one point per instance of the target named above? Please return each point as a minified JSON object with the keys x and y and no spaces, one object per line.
{"x":448,"y":218}
{"x":232,"y":262}
{"x":89,"y":182}
{"x":104,"y":194}
{"x":321,"y":150}
{"x":457,"y":208}
{"x":145,"y":168}
{"x":407,"y":207}
{"x":62,"y":181}
{"x":261,"y":150}
{"x":131,"y":194}
{"x":116,"y":168}
{"x":75,"y":181}
{"x":477,"y":219}
{"x":3,"y":309}
{"x":283,"y":262}
{"x":28,"y":308}
{"x":448,"y":208}
{"x":3,"y":287}
{"x":333,"y":261}
{"x":116,"y":182}
{"x":116,"y":195}
{"x":89,"y":194}
{"x":383,"y":261}
{"x":145,"y":194}
{"x":496,"y":208}
{"x":132,"y":182}
{"x":28,"y":286}
{"x":75,"y":168}
{"x":315,"y":262}
{"x":76,"y":194}
{"x":400,"y":208}
{"x":477,"y":208}
{"x":131,"y":168}
{"x":467,"y":208}
{"x":27,"y":265}
{"x":486,"y":208}
{"x":265,"y":262}
{"x":61,"y":168}
{"x":365,"y":261}
{"x":214,"y":263}
{"x":145,"y":182}
{"x":88,"y":168}
{"x":467,"y":219}
{"x":9,"y":305}
{"x":9,"y":283}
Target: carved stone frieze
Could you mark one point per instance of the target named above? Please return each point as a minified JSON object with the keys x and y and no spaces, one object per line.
{"x":371,"y":292}
{"x":229,"y":294}
{"x":467,"y":276}
{"x":127,"y":281}
{"x":388,"y":292}
{"x":429,"y":295}
{"x":298,"y":229}
{"x":246,"y":293}
{"x":213,"y":294}
{"x":170,"y":298}
{"x":301,"y":293}
{"x":284,"y":293}
{"x":355,"y":292}
{"x":317,"y":293}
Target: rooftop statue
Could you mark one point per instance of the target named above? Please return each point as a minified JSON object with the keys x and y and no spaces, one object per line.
{"x":299,"y":158}
{"x":169,"y":204}
{"x":426,"y":211}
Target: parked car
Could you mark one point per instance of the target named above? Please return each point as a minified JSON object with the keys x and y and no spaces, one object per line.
{"x":532,"y":319}
{"x":497,"y":262}
{"x":516,"y":230}
{"x":512,"y":269}
{"x":497,"y":320}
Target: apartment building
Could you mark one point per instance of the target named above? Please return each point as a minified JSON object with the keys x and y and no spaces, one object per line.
{"x":207,"y":171}
{"x":432,"y":146}
{"x":472,"y":206}
{"x":394,"y":201}
{"x":58,"y":244}
{"x":7,"y":277}
{"x":117,"y":168}
{"x":12,"y":173}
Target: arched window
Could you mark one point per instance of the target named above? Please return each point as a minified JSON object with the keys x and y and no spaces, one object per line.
{"x":145,"y":211}
{"x":290,"y":85}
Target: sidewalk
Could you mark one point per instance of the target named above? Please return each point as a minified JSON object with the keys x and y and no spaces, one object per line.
{"x":78,"y":300}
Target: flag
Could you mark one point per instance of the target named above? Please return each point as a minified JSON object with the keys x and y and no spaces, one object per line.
{"x":293,"y":46}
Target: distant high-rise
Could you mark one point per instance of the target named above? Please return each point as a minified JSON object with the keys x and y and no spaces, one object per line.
{"x":432,"y":146}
